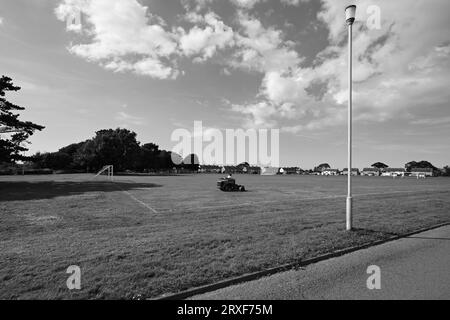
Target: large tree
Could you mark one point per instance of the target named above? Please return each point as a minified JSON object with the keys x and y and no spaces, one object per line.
{"x":148,"y":158}
{"x":380,"y":165}
{"x":56,"y":160}
{"x":446,"y":171}
{"x":191,"y":163}
{"x":165,"y":160}
{"x":117,"y":147}
{"x":73,"y":148}
{"x":321,"y":167}
{"x":421,"y":164}
{"x":86,"y":157}
{"x":14,"y":133}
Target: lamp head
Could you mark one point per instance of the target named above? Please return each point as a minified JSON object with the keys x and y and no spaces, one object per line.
{"x":350,"y":13}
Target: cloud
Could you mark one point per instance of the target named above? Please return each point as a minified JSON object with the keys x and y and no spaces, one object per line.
{"x":398,"y":70}
{"x":207,"y":39}
{"x":226,"y":72}
{"x":127,"y":119}
{"x":293,"y":2}
{"x":395,"y":75}
{"x":262,"y":49}
{"x":259,"y":114}
{"x":196,"y":5}
{"x":247,"y":4}
{"x":122,"y":36}
{"x":432,"y":122}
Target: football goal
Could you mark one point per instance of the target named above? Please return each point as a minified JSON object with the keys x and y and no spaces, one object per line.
{"x":107,"y":171}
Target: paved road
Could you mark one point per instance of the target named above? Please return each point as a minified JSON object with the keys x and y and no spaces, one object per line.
{"x":417,"y":267}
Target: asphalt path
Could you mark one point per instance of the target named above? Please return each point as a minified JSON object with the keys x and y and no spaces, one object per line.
{"x":416,"y":267}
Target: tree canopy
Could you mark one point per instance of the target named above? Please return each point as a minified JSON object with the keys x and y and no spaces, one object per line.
{"x":446,"y":171}
{"x":380,"y":165}
{"x":117,"y":147}
{"x":421,"y":164}
{"x":322,"y":166}
{"x":191,"y":162}
{"x":12,"y":147}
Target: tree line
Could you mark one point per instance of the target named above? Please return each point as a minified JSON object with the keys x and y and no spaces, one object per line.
{"x":118,"y":147}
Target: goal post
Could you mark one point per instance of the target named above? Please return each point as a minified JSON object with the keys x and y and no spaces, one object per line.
{"x":107,"y":171}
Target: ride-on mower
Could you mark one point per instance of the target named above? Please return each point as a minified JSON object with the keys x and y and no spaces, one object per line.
{"x":229,"y":185}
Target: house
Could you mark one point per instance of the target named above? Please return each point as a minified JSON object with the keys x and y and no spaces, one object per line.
{"x":355,"y":172}
{"x":423,"y":172}
{"x":330,"y":172}
{"x":269,"y":171}
{"x":393,"y":172}
{"x":370,"y":172}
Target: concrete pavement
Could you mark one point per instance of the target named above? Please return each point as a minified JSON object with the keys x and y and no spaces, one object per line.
{"x":416,"y":267}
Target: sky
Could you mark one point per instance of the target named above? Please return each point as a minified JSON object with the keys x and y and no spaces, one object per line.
{"x":154,"y":66}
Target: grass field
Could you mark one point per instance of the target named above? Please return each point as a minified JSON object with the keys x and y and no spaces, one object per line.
{"x":148,"y":236}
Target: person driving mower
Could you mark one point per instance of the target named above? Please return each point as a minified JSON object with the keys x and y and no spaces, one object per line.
{"x":228,"y":184}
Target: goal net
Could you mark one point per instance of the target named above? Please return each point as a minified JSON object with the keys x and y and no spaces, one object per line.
{"x":106,"y":171}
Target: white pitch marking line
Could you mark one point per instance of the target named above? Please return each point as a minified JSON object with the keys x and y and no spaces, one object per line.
{"x":137,"y":200}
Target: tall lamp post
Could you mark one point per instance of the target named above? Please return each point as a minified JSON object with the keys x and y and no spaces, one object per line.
{"x":350,"y":12}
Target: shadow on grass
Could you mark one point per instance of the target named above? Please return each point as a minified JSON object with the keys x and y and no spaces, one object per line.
{"x":17,"y":191}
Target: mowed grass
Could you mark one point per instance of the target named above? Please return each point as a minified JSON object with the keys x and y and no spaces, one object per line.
{"x":142,"y":237}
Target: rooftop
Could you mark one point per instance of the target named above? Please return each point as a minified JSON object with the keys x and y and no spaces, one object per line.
{"x":394,"y":169}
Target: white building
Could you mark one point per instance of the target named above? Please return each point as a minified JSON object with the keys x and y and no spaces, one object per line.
{"x":393,"y":172}
{"x":422,"y":172}
{"x":330,"y":172}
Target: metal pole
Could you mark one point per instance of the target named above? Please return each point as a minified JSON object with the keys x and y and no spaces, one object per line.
{"x":349,"y":172}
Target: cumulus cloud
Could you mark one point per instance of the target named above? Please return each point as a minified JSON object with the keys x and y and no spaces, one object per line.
{"x":262,"y":49}
{"x":259,"y":114}
{"x":398,"y":69}
{"x":196,"y":5}
{"x":205,"y":39}
{"x":247,"y":4}
{"x":121,"y":36}
{"x":395,"y":73}
{"x":293,"y":2}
